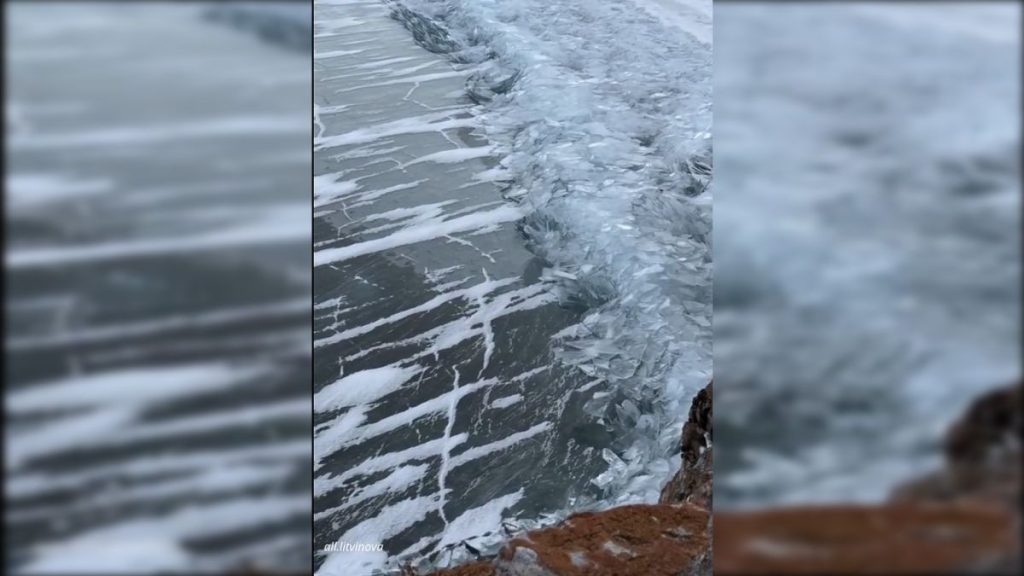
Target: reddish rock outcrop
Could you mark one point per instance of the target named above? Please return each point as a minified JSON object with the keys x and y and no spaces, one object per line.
{"x":989,"y":431}
{"x":693,"y":482}
{"x":964,"y":518}
{"x":892,"y":539}
{"x":639,"y":539}
{"x":983,"y":455}
{"x":481,"y":568}
{"x":671,"y":538}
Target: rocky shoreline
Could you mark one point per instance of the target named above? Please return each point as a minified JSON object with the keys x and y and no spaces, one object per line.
{"x":964,"y":518}
{"x":664,"y":539}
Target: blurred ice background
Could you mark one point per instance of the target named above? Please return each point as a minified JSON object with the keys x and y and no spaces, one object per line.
{"x":867,"y":231}
{"x":157,"y":267}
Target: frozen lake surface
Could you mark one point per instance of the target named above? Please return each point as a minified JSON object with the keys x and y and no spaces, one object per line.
{"x":511,"y":288}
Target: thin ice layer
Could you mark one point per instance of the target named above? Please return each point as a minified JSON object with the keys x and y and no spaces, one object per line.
{"x":601,"y":114}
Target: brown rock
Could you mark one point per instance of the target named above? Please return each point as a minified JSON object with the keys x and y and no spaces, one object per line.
{"x":701,"y":566}
{"x":983,"y":455}
{"x":471,"y":569}
{"x":693,"y":482}
{"x":961,"y":519}
{"x":641,"y":540}
{"x":671,"y":539}
{"x":989,"y":432}
{"x":521,"y":562}
{"x":893,"y":539}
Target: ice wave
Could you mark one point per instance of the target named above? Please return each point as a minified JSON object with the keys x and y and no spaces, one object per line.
{"x":601,"y":114}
